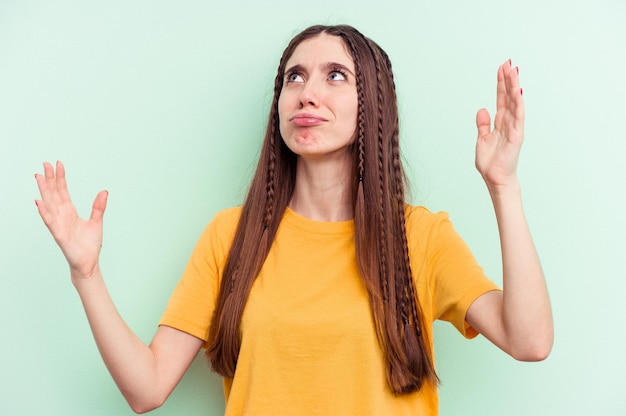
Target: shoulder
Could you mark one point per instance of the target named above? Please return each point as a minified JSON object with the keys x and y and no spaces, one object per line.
{"x":222,"y":227}
{"x":420,"y":217}
{"x":228,"y":217}
{"x":429,"y":231}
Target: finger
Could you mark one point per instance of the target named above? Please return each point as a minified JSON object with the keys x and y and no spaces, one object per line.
{"x":43,"y":184}
{"x":45,"y":203}
{"x":483,"y":122}
{"x":512,"y":78}
{"x":99,"y":206}
{"x":61,"y":183}
{"x":514,"y":97}
{"x":48,"y":172}
{"x":502,"y":88}
{"x":43,"y":213}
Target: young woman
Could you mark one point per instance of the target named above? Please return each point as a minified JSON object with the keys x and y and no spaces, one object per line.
{"x":317,"y":296}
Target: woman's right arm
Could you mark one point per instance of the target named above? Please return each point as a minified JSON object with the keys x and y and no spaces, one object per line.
{"x":145,"y":374}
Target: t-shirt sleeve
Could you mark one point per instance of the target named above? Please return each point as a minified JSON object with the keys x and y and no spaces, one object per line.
{"x":455,"y":279}
{"x":193,"y":300}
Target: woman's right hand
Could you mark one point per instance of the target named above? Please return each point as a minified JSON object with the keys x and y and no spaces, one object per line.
{"x":80,"y":240}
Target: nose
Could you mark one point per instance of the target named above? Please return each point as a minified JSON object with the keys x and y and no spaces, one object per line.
{"x":309,"y":96}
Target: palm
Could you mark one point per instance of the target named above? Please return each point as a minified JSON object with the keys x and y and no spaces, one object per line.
{"x":80,"y":240}
{"x":497,"y":150}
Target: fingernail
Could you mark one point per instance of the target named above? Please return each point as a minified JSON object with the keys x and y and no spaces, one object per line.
{"x":521,"y":91}
{"x":36,"y":203}
{"x":517,"y":69}
{"x":510,"y":63}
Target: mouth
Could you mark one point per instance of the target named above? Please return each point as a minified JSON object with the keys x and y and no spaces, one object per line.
{"x":306,"y":119}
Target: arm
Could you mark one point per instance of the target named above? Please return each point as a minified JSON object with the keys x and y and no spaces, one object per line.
{"x":518,"y":319}
{"x":145,"y":375}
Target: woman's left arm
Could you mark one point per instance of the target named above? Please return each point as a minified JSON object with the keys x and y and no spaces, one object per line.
{"x":518,"y":319}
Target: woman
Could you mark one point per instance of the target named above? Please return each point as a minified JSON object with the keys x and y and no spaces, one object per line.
{"x":318,"y":294}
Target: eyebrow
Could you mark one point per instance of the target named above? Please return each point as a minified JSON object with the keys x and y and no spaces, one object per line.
{"x":329,"y":66}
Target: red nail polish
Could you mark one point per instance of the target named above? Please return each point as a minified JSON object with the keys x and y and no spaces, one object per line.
{"x":510,"y":63}
{"x":517,"y":69}
{"x":521,"y":91}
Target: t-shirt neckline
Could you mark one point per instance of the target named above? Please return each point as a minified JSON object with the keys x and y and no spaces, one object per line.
{"x":298,"y":221}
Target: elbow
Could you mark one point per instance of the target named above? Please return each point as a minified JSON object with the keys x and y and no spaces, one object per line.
{"x":144,"y":408}
{"x":533,"y":346}
{"x":535,"y":352}
{"x":532,"y":356}
{"x":145,"y":405}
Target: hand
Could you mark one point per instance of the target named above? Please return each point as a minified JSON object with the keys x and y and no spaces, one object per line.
{"x":80,"y":240}
{"x":497,"y":150}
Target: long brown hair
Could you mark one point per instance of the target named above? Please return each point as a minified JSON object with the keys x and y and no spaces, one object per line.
{"x":380,"y":233}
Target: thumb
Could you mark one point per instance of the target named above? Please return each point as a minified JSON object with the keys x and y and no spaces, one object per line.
{"x":483,"y":122}
{"x":99,"y":206}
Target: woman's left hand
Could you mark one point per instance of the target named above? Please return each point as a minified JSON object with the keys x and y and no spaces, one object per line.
{"x":497,"y":150}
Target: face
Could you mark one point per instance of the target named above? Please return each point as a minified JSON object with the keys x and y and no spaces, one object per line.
{"x":318,"y":104}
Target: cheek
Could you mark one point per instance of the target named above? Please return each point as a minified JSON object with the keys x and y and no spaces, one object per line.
{"x":281,"y":115}
{"x":352,"y":111}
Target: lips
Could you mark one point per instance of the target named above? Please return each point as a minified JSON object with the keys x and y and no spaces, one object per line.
{"x":306,"y":120}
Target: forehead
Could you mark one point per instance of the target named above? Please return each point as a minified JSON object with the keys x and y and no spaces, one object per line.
{"x":321,"y":49}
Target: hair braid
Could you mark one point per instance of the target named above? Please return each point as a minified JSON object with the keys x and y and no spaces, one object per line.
{"x":269,"y":204}
{"x":371,"y":269}
{"x":381,"y":184}
{"x":411,"y":295}
{"x":360,"y":135}
{"x":403,"y":267}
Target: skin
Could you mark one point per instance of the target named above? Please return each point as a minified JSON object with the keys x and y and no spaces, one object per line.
{"x":317,"y":106}
{"x":318,"y":113}
{"x":145,"y":374}
{"x":518,"y":319}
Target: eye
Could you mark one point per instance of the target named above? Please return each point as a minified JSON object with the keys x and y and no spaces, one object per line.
{"x":337,"y":76}
{"x":294,"y":77}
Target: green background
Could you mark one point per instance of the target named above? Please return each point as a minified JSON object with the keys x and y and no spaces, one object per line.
{"x":164,"y":104}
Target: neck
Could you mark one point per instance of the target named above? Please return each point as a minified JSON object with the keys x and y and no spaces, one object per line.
{"x":323,"y":191}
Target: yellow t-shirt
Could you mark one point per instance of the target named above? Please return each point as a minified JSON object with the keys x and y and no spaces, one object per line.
{"x":309,"y":346}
